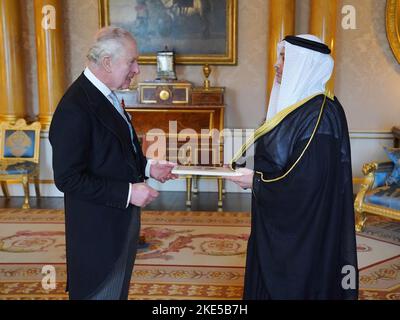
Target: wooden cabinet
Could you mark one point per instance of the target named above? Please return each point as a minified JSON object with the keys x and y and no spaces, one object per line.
{"x":188,"y":134}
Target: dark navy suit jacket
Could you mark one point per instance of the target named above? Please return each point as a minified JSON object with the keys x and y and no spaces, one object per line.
{"x":93,"y":162}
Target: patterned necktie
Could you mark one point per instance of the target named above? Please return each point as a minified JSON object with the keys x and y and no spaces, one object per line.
{"x":120,"y":110}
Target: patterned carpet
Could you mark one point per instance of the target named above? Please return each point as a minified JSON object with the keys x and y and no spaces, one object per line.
{"x":214,"y":244}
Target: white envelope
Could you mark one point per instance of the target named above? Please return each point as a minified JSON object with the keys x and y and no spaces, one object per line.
{"x":205,"y":171}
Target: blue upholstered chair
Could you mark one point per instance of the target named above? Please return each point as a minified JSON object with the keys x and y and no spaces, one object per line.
{"x":19,"y":156}
{"x":376,"y":195}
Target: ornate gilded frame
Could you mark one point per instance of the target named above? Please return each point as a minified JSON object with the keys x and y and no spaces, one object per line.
{"x":228,"y":58}
{"x":393,"y":26}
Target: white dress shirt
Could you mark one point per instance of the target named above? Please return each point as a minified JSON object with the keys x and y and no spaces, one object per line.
{"x":106,"y":92}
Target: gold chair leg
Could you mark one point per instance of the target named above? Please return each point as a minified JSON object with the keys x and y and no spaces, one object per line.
{"x":361,"y":218}
{"x":4,"y":188}
{"x":37,"y":187}
{"x":25,"y":183}
{"x":188,"y":191}
{"x":195,"y":184}
{"x":220,"y":187}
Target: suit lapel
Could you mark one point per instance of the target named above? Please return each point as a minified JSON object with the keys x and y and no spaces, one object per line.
{"x":102,"y":108}
{"x":135,"y":138}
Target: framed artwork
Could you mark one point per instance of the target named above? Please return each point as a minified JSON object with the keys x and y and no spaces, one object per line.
{"x":393,"y":26}
{"x":198,"y":31}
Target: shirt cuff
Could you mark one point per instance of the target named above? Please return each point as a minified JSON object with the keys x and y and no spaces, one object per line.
{"x":129,"y":195}
{"x":148,"y":165}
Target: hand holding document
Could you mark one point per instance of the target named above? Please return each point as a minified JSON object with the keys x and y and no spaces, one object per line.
{"x":206,"y":171}
{"x":245,"y":180}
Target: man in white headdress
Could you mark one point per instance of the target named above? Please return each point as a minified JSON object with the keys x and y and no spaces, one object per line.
{"x":303,"y":234}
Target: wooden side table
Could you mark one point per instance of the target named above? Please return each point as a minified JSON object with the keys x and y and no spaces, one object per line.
{"x":396,"y":135}
{"x":180,"y":123}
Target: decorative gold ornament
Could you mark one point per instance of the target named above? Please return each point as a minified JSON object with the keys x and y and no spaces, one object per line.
{"x":164,"y":95}
{"x":207,"y":72}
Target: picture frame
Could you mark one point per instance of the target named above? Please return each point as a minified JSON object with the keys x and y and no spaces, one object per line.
{"x":198,"y":31}
{"x":393,"y":26}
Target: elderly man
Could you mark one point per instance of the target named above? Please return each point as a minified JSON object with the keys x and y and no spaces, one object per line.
{"x":302,"y":243}
{"x":99,"y":166}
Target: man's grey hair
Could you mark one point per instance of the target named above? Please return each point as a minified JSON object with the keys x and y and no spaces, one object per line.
{"x":109,"y":41}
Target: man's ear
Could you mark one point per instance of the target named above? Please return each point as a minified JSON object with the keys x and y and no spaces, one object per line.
{"x":106,"y":62}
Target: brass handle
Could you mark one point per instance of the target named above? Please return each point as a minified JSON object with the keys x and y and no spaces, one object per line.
{"x":164,"y":95}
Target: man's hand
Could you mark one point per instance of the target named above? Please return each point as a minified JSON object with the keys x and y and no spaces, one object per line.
{"x":142,"y":194}
{"x":161,"y":171}
{"x":245,"y":181}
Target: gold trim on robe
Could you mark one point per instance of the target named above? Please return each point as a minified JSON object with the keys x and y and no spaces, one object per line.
{"x":271,"y":124}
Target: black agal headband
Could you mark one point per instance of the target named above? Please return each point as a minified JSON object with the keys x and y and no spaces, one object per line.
{"x":309,"y":44}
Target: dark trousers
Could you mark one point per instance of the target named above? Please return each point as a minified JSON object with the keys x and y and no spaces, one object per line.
{"x":116,"y":286}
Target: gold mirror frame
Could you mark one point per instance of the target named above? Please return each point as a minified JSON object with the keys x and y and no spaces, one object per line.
{"x":229,"y":58}
{"x":393,"y":26}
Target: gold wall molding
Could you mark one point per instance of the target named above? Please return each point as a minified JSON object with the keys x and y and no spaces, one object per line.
{"x":356,"y":181}
{"x":281,"y":23}
{"x":8,"y":117}
{"x":50,"y":60}
{"x":323,"y":19}
{"x":12,"y":98}
{"x":372,"y":135}
{"x":31,"y":181}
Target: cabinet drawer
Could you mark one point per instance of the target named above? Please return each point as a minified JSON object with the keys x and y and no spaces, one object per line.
{"x":145,"y":120}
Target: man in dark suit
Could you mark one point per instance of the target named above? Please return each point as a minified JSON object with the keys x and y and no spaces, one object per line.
{"x":99,"y":165}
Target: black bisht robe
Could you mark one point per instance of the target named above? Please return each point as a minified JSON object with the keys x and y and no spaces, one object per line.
{"x":302,"y":229}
